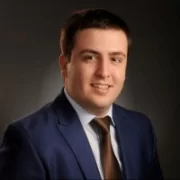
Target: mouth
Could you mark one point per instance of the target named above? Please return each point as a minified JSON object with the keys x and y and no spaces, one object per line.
{"x":101,"y":86}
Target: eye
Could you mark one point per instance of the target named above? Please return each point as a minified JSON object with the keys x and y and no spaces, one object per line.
{"x":89,"y":57}
{"x":116,"y":59}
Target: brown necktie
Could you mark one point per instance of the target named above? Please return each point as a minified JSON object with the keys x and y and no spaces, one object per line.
{"x":109,"y":162}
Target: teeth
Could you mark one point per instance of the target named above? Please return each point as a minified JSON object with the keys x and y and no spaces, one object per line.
{"x":101,"y":86}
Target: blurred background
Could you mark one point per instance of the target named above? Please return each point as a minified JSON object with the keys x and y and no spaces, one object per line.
{"x":30,"y":75}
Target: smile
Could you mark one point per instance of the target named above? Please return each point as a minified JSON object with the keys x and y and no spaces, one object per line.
{"x":101,"y":86}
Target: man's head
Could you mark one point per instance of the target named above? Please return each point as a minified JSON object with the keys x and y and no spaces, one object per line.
{"x":94,"y":45}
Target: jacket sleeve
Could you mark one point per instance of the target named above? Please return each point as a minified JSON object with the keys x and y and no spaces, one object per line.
{"x":18,"y":158}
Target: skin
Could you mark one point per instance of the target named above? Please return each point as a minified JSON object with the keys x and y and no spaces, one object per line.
{"x":95,"y":74}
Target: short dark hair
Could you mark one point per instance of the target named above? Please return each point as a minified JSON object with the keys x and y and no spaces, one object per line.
{"x":89,"y":18}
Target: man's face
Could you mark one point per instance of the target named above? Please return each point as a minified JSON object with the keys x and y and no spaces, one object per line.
{"x":95,"y":75}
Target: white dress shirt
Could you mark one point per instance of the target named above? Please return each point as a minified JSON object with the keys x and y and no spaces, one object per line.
{"x":92,"y":135}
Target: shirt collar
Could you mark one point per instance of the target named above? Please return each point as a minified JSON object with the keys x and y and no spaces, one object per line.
{"x":84,"y":116}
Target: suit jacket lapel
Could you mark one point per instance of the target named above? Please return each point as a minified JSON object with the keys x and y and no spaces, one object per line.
{"x":71,"y":129}
{"x":125,"y":140}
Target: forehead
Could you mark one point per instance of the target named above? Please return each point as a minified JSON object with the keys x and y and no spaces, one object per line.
{"x":101,"y":40}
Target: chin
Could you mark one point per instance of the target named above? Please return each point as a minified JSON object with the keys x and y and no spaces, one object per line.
{"x":101,"y":103}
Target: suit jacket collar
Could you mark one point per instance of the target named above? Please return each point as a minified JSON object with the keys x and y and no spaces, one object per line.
{"x":71,"y":129}
{"x":126,"y":141}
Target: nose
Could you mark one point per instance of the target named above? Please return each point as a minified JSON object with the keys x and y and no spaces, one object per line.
{"x":103,"y":68}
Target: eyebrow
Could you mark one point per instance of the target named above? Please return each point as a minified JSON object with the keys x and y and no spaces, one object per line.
{"x":97,"y":53}
{"x":119,"y":53}
{"x":89,"y":51}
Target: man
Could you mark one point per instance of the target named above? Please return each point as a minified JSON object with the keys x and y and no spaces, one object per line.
{"x":82,"y":134}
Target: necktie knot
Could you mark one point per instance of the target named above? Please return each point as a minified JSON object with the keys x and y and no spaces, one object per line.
{"x":103,"y":124}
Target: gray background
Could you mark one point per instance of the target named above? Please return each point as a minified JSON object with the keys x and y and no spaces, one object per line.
{"x":30,"y":76}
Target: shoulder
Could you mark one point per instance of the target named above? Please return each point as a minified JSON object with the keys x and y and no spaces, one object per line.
{"x":129,"y":113}
{"x":135,"y":124}
{"x":35,"y":118}
{"x":35,"y":124}
{"x":33,"y":131}
{"x":133,"y":118}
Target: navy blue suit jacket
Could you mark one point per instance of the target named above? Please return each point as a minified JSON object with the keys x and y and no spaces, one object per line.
{"x":51,"y":144}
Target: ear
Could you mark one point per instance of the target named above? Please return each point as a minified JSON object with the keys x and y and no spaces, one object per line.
{"x":63,"y":61}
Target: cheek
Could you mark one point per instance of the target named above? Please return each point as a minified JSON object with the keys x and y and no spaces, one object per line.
{"x":79,"y":75}
{"x":70,"y":76}
{"x":119,"y":77}
{"x":85,"y":71}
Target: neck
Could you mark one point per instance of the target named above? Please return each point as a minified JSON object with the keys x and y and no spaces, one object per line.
{"x":90,"y":108}
{"x":97,"y":111}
